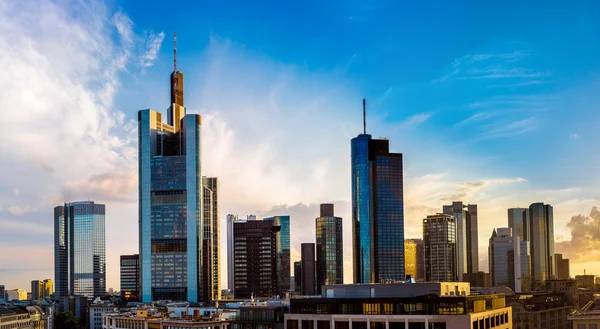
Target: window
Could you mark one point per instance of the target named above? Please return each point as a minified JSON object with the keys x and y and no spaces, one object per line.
{"x":581,"y":326}
{"x":593,"y":326}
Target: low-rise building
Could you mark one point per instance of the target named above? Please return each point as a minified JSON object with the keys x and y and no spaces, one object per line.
{"x":259,"y":317}
{"x":142,"y":319}
{"x":445,"y":305}
{"x":96,"y":311}
{"x":540,"y":310}
{"x":30,"y":317}
{"x":16,"y":294}
{"x":585,"y":281}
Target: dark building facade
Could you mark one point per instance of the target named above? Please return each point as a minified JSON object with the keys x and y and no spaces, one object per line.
{"x":37,"y":290}
{"x":298,"y":276}
{"x":420,"y":259}
{"x":207,"y":248}
{"x":479,"y":279}
{"x":282,"y":239}
{"x":213,"y":225}
{"x":80,"y":249}
{"x":308,"y":269}
{"x":439,"y":237}
{"x":130,"y":278}
{"x":540,"y":222}
{"x":255,"y":258}
{"x":377,"y":211}
{"x":563,"y":271}
{"x":330,"y":256}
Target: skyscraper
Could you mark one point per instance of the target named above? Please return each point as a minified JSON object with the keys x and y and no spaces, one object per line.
{"x":170,"y":201}
{"x":212,"y":183}
{"x":207,"y":247}
{"x":508,"y":260}
{"x":467,"y":249}
{"x":410,"y":258}
{"x":48,"y":288}
{"x":283,"y":253}
{"x":540,"y":222}
{"x":130,"y":278}
{"x":307,"y":251}
{"x":37,"y":290}
{"x":420,"y":246}
{"x":330,"y":256}
{"x":298,"y":276}
{"x":377,"y":211}
{"x":562,"y":267}
{"x":439,"y":237}
{"x":255,"y":258}
{"x":80,"y":249}
{"x":517,"y":222}
{"x":230,"y":248}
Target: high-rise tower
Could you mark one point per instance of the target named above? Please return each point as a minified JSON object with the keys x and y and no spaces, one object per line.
{"x":439,"y":238}
{"x":170,"y":201}
{"x":377,"y":211}
{"x":467,"y":250}
{"x":540,"y":223}
{"x":80,"y":249}
{"x":330,"y":245}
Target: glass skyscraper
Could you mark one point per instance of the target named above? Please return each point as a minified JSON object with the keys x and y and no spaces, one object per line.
{"x":439,"y":237}
{"x":283,"y":253}
{"x":467,"y":249}
{"x":330,"y":255}
{"x":170,"y":201}
{"x":377,"y":211}
{"x":540,"y":222}
{"x":80,"y":249}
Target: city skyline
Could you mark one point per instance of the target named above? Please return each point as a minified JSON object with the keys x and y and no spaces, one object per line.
{"x":305,"y":106}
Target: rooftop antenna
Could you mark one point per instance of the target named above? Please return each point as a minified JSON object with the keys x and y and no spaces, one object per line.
{"x":364,"y":116}
{"x":175,"y":51}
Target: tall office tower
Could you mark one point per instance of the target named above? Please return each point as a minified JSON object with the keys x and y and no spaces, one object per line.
{"x":307,"y":251}
{"x":563,"y":271}
{"x":48,"y":288}
{"x":420,"y":246}
{"x":439,"y":237}
{"x":377,"y":211}
{"x":170,"y":206}
{"x":255,"y":258}
{"x":467,"y":250}
{"x":212,"y":183}
{"x":230,"y":262}
{"x":330,"y":256}
{"x":541,"y":243}
{"x":37,"y":290}
{"x":2,"y":292}
{"x":80,"y":249}
{"x":508,"y":260}
{"x":130,"y":278}
{"x":410,"y":258}
{"x":283,"y":253}
{"x":298,"y":276}
{"x":518,"y":223}
{"x":207,"y":254}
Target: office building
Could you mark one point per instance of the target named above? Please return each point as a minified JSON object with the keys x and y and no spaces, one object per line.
{"x":16,"y":294}
{"x":585,"y":281}
{"x":231,"y":219}
{"x":444,"y":305}
{"x":479,"y":279}
{"x":80,"y":249}
{"x":78,"y":305}
{"x":37,"y":290}
{"x":2,"y":292}
{"x":467,"y":251}
{"x":130,"y":278}
{"x":540,"y":222}
{"x":214,"y":225}
{"x":540,"y":310}
{"x":508,"y":260}
{"x":28,"y":317}
{"x":420,"y":246}
{"x":307,"y":251}
{"x":170,"y":201}
{"x":561,"y":264}
{"x":518,"y":223}
{"x":207,"y":247}
{"x":255,"y":258}
{"x":48,"y":288}
{"x":95,"y":314}
{"x":298,"y":276}
{"x":282,"y":239}
{"x":410,"y":258}
{"x":377,"y":211}
{"x":439,"y":238}
{"x":330,"y":245}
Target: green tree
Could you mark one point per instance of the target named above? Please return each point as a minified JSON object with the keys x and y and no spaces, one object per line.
{"x":66,"y":320}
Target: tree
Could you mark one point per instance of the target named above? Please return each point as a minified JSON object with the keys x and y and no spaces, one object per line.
{"x":66,"y":320}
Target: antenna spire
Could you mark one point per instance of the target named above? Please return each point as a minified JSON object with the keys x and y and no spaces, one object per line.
{"x":174,"y":51}
{"x":364,"y":116}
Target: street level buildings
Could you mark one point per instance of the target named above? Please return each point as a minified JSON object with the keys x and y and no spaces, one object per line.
{"x":330,"y":245}
{"x":377,"y":211}
{"x":439,"y":238}
{"x":80,"y":249}
{"x":130,"y":278}
{"x":41,"y":289}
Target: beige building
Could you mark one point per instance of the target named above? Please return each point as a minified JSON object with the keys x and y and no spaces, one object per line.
{"x":144,"y":320}
{"x":540,"y":310}
{"x":30,"y":317}
{"x":16,"y":294}
{"x":410,"y":258}
{"x":585,"y":320}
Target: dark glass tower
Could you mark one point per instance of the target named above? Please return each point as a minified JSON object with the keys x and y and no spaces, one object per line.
{"x":283,"y":253}
{"x":540,"y":222}
{"x":330,"y":256}
{"x":170,"y":201}
{"x":439,"y":238}
{"x":80,"y":249}
{"x":130,"y":277}
{"x":307,"y":252}
{"x":377,"y":211}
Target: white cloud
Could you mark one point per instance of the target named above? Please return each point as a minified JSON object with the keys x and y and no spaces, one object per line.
{"x":153,"y":43}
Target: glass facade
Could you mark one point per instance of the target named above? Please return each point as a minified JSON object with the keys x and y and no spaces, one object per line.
{"x":80,"y":249}
{"x":283,"y":253}
{"x":330,"y":255}
{"x":170,"y":204}
{"x":213,"y":226}
{"x":540,"y":222}
{"x":377,"y":211}
{"x":130,"y":277}
{"x":439,"y":238}
{"x":460,"y":217}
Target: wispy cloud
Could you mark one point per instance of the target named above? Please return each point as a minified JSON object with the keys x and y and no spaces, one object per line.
{"x":506,"y":129}
{"x":153,"y":43}
{"x":466,"y":190}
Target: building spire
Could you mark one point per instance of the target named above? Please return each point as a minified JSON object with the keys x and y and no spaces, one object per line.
{"x":174,"y":51}
{"x":364,"y":116}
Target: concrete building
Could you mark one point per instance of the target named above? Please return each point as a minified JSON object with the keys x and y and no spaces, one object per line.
{"x":563,"y":271}
{"x":467,"y":249}
{"x":439,"y":238}
{"x":377,"y":211}
{"x":29,"y":317}
{"x":48,"y":288}
{"x":37,"y":289}
{"x":540,"y":310}
{"x":308,"y":269}
{"x":329,"y":247}
{"x":142,"y":319}
{"x":447,"y":305}
{"x":420,"y":259}
{"x":259,"y":317}
{"x":589,"y":319}
{"x":566,"y":287}
{"x":170,"y":200}
{"x":130,"y":278}
{"x":479,"y":279}
{"x":16,"y":294}
{"x":80,"y":249}
{"x":231,"y":219}
{"x":95,"y":314}
{"x":78,"y":305}
{"x":508,"y":260}
{"x":585,"y":281}
{"x":298,"y":277}
{"x":410,"y":258}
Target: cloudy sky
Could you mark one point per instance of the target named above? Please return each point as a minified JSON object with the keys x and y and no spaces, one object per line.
{"x":493,"y":104}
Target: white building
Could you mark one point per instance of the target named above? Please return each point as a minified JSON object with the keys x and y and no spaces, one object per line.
{"x":96,"y":312}
{"x":509,"y":260}
{"x":16,"y":294}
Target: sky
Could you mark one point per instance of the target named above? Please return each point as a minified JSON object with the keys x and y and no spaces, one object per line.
{"x":493,"y":103}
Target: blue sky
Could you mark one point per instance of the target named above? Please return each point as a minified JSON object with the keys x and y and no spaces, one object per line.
{"x":490,"y":103}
